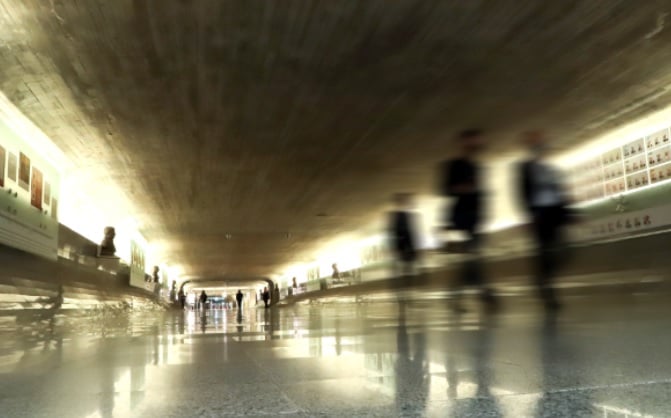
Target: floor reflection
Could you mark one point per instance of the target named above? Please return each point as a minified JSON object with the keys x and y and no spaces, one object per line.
{"x":412,"y":370}
{"x":410,"y":357}
{"x":480,"y":373}
{"x":560,"y":383}
{"x":38,"y":328}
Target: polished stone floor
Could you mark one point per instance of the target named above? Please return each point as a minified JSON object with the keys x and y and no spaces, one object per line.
{"x":607,"y":354}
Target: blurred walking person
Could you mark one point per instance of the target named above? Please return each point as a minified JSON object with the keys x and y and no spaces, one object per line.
{"x":238,"y":298}
{"x":266,"y":297}
{"x":544,"y":198}
{"x":182,"y":298}
{"x":403,"y":234}
{"x":461,"y":181}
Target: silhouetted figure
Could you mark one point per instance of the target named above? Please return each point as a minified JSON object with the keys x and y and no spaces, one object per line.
{"x":203,"y":299}
{"x":266,"y":296}
{"x":182,"y":298}
{"x":238,"y":298}
{"x":336,"y":273}
{"x":155,"y":274}
{"x":402,"y":234}
{"x":461,"y":181}
{"x":276,"y":293}
{"x":173,"y":291}
{"x":107,"y":248}
{"x":544,"y":198}
{"x":292,"y":289}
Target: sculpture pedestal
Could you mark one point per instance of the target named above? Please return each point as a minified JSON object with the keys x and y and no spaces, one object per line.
{"x":110,"y":264}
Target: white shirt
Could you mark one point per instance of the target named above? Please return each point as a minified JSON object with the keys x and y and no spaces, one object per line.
{"x":546,"y":182}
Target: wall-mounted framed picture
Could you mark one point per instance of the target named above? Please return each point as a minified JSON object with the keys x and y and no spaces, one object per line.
{"x":36,"y":189}
{"x":54,"y":208}
{"x":47,"y":193}
{"x":2,"y":165}
{"x":11,"y":166}
{"x":24,"y":171}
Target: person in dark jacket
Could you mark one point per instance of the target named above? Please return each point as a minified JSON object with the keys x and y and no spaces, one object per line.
{"x":461,"y":182}
{"x":543,"y":196}
{"x":402,"y":233}
{"x":266,"y":297}
{"x":182,"y":298}
{"x":238,"y":297}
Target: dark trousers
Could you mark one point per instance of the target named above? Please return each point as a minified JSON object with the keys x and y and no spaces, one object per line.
{"x":547,"y":224}
{"x":405,"y":262}
{"x":472,"y":269}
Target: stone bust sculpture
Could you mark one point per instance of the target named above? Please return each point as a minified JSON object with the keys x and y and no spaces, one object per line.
{"x":107,"y":247}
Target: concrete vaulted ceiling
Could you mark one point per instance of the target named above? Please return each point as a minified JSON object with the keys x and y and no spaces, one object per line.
{"x":250,"y":117}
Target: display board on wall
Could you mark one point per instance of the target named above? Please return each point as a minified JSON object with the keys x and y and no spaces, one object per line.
{"x":28,"y":218}
{"x":313,"y":273}
{"x":12,"y":166}
{"x":623,"y":224}
{"x":24,"y":171}
{"x":36,"y":189}
{"x":47,"y":193}
{"x":374,"y":254}
{"x":637,"y":164}
{"x":137,"y":265}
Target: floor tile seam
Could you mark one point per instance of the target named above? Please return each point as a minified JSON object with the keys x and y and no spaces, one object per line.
{"x":613,"y":386}
{"x":93,"y":394}
{"x":304,"y":381}
{"x":574,"y":389}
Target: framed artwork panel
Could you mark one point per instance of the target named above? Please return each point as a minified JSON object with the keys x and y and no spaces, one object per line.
{"x":47,"y":193}
{"x":11,"y":166}
{"x":24,"y":171}
{"x":36,"y":189}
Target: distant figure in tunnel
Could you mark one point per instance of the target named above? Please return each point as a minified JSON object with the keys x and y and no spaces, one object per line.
{"x":173,"y":291}
{"x":238,"y":298}
{"x":203,"y":299}
{"x":543,"y":196}
{"x":461,"y":181}
{"x":182,"y":298}
{"x":335,"y":276}
{"x":266,"y":296}
{"x":402,"y":234}
{"x":276,"y":293}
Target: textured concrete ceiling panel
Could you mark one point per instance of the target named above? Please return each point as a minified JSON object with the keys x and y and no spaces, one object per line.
{"x":251,"y":117}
